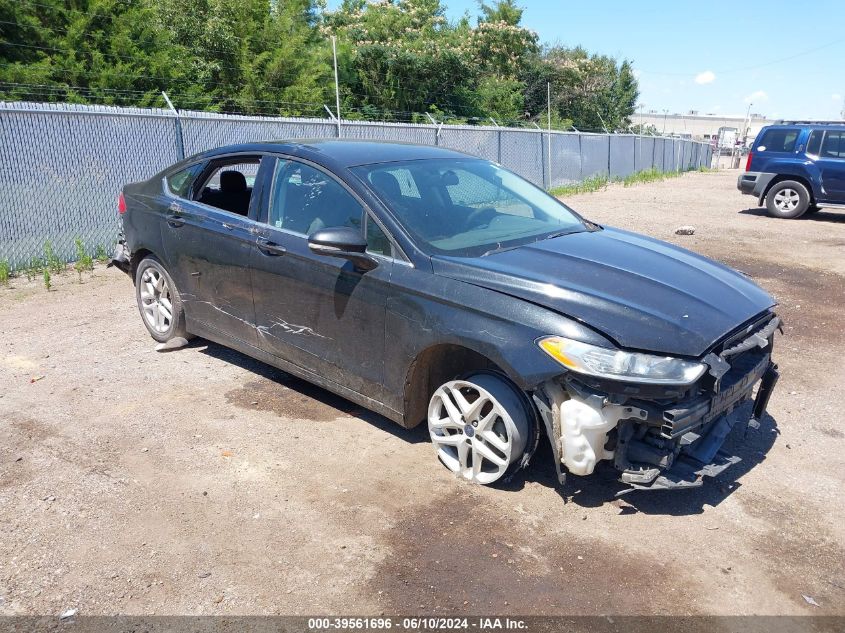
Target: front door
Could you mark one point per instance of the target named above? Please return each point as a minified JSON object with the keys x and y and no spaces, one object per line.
{"x":317,"y":312}
{"x":208,"y":237}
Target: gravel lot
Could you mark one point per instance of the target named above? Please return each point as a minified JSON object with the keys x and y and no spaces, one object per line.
{"x":202,"y":482}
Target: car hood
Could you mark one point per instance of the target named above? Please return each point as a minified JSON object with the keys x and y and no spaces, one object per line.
{"x":642,"y":293}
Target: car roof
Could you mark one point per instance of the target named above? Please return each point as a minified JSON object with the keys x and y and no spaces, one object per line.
{"x":342,"y":152}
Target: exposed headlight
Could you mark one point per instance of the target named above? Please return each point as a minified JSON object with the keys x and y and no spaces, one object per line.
{"x":618,"y":365}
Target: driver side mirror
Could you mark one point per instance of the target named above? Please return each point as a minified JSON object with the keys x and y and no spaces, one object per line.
{"x":344,"y":242}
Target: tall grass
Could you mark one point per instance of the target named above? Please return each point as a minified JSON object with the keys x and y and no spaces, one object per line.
{"x":597,"y":183}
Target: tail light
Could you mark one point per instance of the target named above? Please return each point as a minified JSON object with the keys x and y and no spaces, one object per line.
{"x":121,"y":204}
{"x":748,"y":161}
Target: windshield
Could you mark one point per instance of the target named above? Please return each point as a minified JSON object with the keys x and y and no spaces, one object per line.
{"x":467,"y":207}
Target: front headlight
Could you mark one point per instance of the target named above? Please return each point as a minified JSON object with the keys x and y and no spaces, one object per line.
{"x":618,"y":365}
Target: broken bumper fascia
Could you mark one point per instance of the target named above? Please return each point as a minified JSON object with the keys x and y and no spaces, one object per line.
{"x":121,"y":258}
{"x":703,"y":455}
{"x":657,"y":445}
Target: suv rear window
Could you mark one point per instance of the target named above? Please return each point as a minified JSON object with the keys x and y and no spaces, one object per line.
{"x":834,"y":145}
{"x":778,"y":140}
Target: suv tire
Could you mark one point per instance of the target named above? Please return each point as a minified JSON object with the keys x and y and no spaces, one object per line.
{"x":787,"y":199}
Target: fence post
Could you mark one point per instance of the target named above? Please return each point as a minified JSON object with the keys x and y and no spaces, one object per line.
{"x":499,"y":142}
{"x":437,"y":127}
{"x":580,"y":156}
{"x":180,"y":139}
{"x":546,"y":185}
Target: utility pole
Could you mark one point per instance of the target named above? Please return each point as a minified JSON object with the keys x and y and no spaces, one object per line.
{"x":665,"y":112}
{"x":336,"y":83}
{"x":549,"y":109}
{"x":747,"y":125}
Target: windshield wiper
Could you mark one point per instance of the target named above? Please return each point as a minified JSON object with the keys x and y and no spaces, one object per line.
{"x":558,"y":234}
{"x":498,"y":249}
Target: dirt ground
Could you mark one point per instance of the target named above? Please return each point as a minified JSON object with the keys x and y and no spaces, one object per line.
{"x":203,"y":482}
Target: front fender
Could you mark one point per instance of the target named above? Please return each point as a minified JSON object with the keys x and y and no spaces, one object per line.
{"x":427,"y":310}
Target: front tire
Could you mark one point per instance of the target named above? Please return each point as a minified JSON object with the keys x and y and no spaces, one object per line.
{"x":787,"y":199}
{"x":479,"y":426}
{"x":158,"y":301}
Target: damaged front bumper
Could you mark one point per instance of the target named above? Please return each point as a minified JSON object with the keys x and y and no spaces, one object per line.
{"x":663,"y":441}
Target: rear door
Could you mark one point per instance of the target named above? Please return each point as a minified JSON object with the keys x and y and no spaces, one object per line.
{"x":831,"y":165}
{"x":208,"y":235}
{"x":314,"y":311}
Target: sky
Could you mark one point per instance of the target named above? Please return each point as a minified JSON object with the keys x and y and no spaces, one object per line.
{"x":785,"y":58}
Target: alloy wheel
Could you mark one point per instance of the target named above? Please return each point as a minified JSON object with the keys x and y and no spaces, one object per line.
{"x":787,"y":199}
{"x":156,"y":301}
{"x":473,"y":432}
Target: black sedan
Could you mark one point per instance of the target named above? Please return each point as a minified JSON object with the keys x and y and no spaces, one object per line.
{"x":426,"y":284}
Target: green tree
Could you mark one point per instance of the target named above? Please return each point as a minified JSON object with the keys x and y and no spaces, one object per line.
{"x":593,"y":91}
{"x":402,"y":57}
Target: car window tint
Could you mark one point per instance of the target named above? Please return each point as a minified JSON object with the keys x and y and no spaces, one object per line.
{"x":833,"y":145}
{"x":306,"y":199}
{"x":180,"y":182}
{"x":229,"y":186}
{"x":815,"y":142}
{"x":377,"y":240}
{"x":778,"y":140}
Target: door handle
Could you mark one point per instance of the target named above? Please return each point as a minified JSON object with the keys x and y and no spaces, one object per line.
{"x":269,"y":248}
{"x":175,"y":220}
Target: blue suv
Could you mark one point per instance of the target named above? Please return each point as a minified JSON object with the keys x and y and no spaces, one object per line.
{"x":797,"y":167}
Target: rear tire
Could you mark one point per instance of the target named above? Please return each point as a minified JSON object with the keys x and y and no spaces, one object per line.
{"x":787,"y":199}
{"x":158,"y":301}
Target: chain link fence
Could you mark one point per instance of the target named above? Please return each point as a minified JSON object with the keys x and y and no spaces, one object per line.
{"x":63,"y":165}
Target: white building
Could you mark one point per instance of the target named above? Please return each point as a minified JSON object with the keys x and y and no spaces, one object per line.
{"x":699,"y":126}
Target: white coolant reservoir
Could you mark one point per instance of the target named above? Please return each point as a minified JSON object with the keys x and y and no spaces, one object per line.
{"x":584,"y":430}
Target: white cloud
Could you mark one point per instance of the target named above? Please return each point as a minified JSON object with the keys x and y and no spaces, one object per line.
{"x":707,"y":77}
{"x":836,"y":97}
{"x":756,"y":97}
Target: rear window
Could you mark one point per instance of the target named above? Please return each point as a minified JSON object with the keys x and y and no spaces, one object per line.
{"x":180,"y":182}
{"x":778,"y":140}
{"x":834,"y":145}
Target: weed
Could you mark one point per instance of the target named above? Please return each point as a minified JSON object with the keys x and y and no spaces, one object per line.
{"x":34,"y":268}
{"x":51,"y":260}
{"x":5,"y":272}
{"x":83,"y":260}
{"x":47,"y":283}
{"x":597,"y":183}
{"x":588,"y":185}
{"x":100,"y":254}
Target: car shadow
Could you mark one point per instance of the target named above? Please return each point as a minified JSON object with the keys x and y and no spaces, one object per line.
{"x":823,"y":215}
{"x":752,"y":445}
{"x":304,"y":388}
